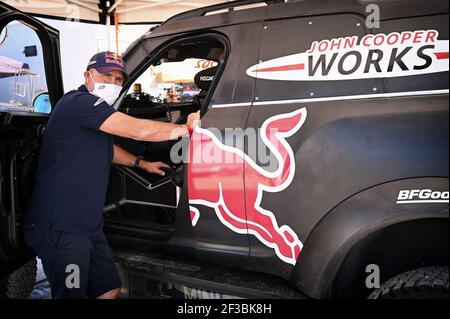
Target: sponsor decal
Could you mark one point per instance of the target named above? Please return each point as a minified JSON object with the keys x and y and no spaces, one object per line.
{"x":411,"y":196}
{"x":205,"y":64}
{"x":113,"y":58}
{"x":218,"y":184}
{"x":206,"y":78}
{"x":371,"y":56}
{"x":194,"y":293}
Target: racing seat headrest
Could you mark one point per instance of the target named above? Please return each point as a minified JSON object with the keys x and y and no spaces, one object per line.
{"x":204,"y":78}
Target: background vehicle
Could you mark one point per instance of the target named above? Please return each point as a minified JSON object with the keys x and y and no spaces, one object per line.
{"x":359,"y":176}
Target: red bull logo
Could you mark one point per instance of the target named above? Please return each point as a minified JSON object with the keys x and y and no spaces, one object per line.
{"x":217,"y":183}
{"x":114,"y":58}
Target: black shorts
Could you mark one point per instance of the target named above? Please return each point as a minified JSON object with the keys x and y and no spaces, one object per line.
{"x":76,"y":266}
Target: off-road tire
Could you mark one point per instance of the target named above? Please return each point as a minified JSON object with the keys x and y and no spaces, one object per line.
{"x":421,"y":283}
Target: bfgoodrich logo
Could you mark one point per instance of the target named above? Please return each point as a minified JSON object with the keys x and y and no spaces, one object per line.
{"x":422,"y":196}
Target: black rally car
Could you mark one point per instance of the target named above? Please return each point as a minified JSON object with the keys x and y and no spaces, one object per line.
{"x":339,"y":170}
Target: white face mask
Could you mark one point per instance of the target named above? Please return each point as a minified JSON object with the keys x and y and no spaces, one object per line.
{"x":106,"y":91}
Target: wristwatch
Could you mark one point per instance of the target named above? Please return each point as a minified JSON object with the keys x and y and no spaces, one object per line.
{"x":137,"y":162}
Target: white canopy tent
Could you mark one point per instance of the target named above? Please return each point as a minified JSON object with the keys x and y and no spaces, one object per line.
{"x":125,"y":11}
{"x":100,"y":25}
{"x":109,"y":13}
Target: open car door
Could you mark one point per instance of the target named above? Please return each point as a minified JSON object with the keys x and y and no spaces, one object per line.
{"x":30,"y":77}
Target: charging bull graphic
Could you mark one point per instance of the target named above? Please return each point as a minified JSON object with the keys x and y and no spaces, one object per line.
{"x":218,"y":183}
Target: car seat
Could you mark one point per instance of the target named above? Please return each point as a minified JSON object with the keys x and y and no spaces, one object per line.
{"x":203,"y":81}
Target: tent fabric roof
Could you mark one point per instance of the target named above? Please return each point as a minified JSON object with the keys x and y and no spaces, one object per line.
{"x":129,"y":11}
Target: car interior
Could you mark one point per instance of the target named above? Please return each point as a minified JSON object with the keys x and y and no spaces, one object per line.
{"x":184,"y":75}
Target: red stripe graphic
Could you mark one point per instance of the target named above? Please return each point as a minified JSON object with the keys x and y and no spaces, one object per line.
{"x":291,"y":67}
{"x":441,"y":55}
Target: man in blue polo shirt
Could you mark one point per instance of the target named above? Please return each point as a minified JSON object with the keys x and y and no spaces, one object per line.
{"x":64,"y":222}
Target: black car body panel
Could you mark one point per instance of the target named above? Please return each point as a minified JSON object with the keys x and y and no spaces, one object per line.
{"x":412,"y":143}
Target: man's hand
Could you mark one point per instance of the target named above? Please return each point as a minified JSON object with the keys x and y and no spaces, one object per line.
{"x":193,"y":119}
{"x":153,"y":167}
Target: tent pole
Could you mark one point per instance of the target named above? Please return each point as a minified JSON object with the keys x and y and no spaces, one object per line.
{"x":114,"y":5}
{"x":116,"y":27}
{"x":108,"y":26}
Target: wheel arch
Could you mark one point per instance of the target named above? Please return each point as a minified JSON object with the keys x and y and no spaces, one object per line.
{"x":371,"y":228}
{"x":394,"y":249}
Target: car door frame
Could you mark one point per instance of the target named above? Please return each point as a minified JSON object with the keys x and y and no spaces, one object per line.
{"x":11,"y":246}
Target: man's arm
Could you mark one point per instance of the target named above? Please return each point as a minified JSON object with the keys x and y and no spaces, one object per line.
{"x":127,"y":126}
{"x":122,"y":157}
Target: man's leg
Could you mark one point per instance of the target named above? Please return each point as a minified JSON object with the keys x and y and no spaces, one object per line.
{"x":104,"y":279}
{"x":112,"y":294}
{"x":65,"y":259}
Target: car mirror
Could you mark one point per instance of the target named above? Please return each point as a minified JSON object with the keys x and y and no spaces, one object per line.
{"x":41,"y":103}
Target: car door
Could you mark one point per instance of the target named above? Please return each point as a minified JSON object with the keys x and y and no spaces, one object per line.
{"x":200,"y":224}
{"x":279,"y":185}
{"x":216,"y":168}
{"x":30,"y":78}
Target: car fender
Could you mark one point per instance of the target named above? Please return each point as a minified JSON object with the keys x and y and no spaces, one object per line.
{"x":354,"y":220}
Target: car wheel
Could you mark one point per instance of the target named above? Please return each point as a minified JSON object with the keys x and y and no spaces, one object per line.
{"x":20,"y":283}
{"x":421,"y":283}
